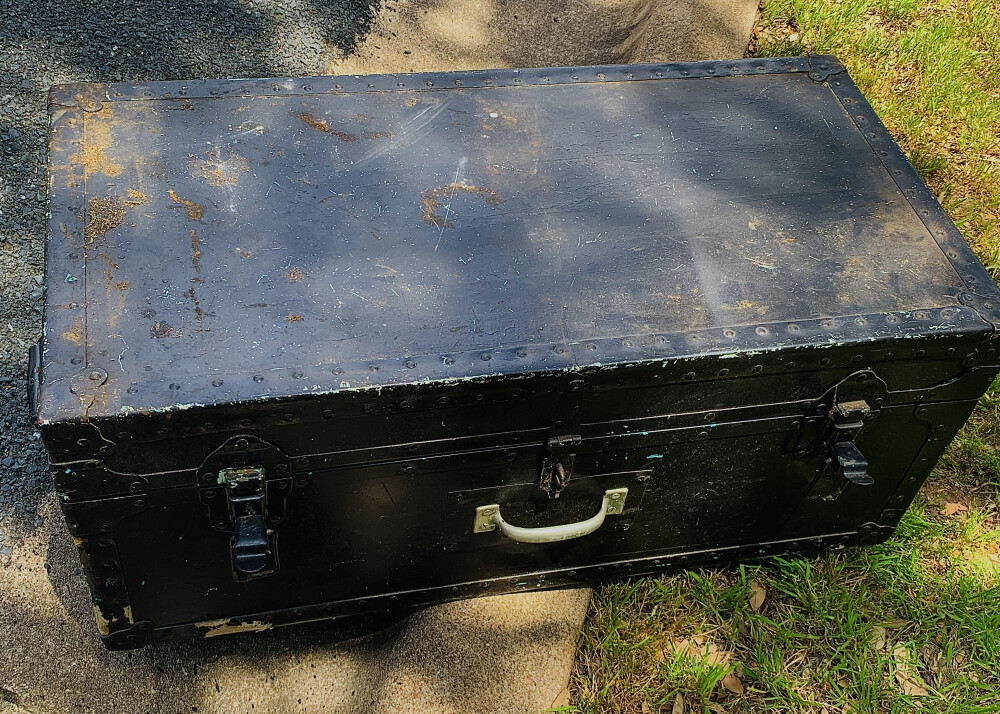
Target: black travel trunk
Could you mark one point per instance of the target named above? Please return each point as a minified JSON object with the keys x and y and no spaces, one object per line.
{"x":329,"y":346}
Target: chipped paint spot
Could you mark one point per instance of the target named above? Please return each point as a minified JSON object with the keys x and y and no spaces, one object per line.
{"x":75,"y":333}
{"x":102,"y":622}
{"x":194,"y":210}
{"x":223,"y":627}
{"x":294,"y":318}
{"x":321,"y":125}
{"x":295,"y":275}
{"x":128,"y":614}
{"x":161,"y":329}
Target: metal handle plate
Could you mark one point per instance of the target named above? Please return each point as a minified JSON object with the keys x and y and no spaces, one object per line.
{"x":488,"y":518}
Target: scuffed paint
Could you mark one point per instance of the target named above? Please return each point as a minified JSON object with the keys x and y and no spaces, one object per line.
{"x":103,"y":626}
{"x":214,"y":628}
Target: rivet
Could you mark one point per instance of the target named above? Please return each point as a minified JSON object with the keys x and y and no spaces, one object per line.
{"x":723,"y":372}
{"x":76,"y":360}
{"x":288,"y":417}
{"x":824,"y":362}
{"x":729,"y":333}
{"x":690,"y":375}
{"x":448,"y":360}
{"x":258,"y":378}
{"x":242,"y":443}
{"x":757,"y":368}
{"x":216,"y":382}
{"x":132,"y":390}
{"x":761,"y":331}
{"x":485,"y":356}
{"x":373,"y":368}
{"x":295,"y":375}
{"x":328,"y":414}
{"x":409,"y":364}
{"x":83,"y":442}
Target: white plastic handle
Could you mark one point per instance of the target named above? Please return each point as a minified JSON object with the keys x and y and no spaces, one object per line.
{"x":488,"y":518}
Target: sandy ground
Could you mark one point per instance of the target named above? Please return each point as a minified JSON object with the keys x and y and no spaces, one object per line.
{"x":503,"y":654}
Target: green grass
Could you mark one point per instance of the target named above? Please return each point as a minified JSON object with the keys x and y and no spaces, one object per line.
{"x":910,"y":624}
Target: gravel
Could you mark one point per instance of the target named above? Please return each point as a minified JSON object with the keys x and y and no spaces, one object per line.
{"x":45,"y":43}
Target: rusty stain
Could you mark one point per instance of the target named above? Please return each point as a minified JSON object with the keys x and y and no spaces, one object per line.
{"x":195,"y":252}
{"x":197,"y":305}
{"x":136,"y":198}
{"x":110,"y":277}
{"x":96,"y":141}
{"x":295,"y":275}
{"x":412,"y":102}
{"x":218,"y":170}
{"x":374,"y":135}
{"x":386,"y":267}
{"x":321,"y":125}
{"x":243,"y":253}
{"x":361,"y":118}
{"x":160,"y":329}
{"x":184,"y":104}
{"x":430,"y":200}
{"x":294,"y":318}
{"x":194,"y":210}
{"x":215,"y":628}
{"x":123,"y":285}
{"x":75,"y":333}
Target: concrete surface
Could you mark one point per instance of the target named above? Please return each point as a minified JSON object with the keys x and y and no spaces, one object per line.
{"x":506,"y":654}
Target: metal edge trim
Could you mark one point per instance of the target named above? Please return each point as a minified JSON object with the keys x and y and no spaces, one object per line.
{"x":916,"y":192}
{"x":739,"y":343}
{"x":69,"y":94}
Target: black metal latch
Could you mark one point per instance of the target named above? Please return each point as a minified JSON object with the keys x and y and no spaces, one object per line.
{"x":831,"y":430}
{"x":246,"y":499}
{"x":564,"y":437}
{"x":845,"y":422}
{"x":557,"y":468}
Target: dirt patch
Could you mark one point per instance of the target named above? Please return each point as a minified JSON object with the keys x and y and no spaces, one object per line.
{"x":430,"y":200}
{"x":219,"y":168}
{"x":435,"y":35}
{"x":109,"y":212}
{"x":194,"y":210}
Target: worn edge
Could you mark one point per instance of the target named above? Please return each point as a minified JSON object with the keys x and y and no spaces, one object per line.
{"x":69,"y":94}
